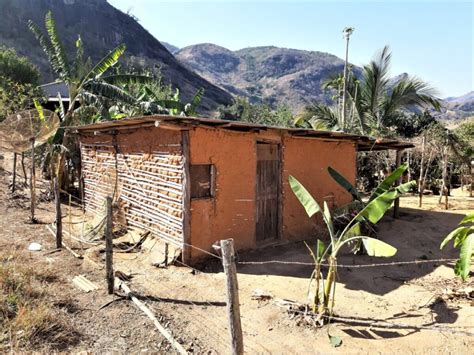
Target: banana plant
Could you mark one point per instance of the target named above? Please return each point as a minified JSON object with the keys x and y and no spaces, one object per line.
{"x":323,"y":302}
{"x":343,"y":214}
{"x":464,"y":238}
{"x":86,"y":83}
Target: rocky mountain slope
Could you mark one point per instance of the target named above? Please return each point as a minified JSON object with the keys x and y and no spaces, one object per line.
{"x":462,"y":103}
{"x":102,"y":27}
{"x":271,"y":74}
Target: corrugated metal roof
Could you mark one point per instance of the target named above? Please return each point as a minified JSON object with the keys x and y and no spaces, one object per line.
{"x":364,"y":143}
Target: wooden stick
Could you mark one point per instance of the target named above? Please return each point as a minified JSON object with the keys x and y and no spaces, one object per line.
{"x":177,"y":346}
{"x":59,"y":222}
{"x":24,"y":168}
{"x":32,"y":181}
{"x":233,"y":306}
{"x":64,"y":245}
{"x":109,"y":248}
{"x":14,"y":173}
{"x":396,"y":206}
{"x":166,"y":254}
{"x":186,"y":200}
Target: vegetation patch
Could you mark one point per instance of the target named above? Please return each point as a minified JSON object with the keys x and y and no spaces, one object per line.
{"x":30,"y":317}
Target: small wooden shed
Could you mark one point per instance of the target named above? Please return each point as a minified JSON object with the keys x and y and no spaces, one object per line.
{"x":195,"y":181}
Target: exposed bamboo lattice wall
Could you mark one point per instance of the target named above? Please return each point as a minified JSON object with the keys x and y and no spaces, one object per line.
{"x":149,"y":186}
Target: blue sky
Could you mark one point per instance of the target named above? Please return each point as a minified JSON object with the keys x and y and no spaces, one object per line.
{"x":430,"y":39}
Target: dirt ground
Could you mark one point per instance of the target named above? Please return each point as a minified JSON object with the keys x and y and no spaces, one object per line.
{"x":191,"y":303}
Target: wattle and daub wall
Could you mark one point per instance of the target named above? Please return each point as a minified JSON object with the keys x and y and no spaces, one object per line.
{"x":151,"y":174}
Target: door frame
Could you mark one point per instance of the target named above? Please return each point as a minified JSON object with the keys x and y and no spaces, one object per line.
{"x":279,"y":237}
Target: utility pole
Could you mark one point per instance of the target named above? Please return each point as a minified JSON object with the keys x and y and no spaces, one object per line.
{"x":347,"y":31}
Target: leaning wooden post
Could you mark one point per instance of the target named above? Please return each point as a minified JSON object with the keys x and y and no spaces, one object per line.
{"x":396,"y":206}
{"x":59,"y":222}
{"x":166,"y":254}
{"x":109,"y":247}
{"x":14,"y":173}
{"x":32,"y":181}
{"x":23,"y":168}
{"x":233,"y":307}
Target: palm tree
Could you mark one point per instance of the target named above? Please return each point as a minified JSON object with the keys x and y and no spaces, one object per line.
{"x":376,"y":102}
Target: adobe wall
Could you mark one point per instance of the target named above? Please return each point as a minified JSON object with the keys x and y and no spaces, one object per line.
{"x":307,"y":160}
{"x":231,"y":213}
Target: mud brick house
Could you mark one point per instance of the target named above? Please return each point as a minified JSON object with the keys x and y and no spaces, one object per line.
{"x":194,"y":181}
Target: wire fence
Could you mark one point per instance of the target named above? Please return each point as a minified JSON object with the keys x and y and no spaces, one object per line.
{"x":205,"y":313}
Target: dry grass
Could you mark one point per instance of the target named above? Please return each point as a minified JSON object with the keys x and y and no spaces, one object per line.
{"x":30,"y":316}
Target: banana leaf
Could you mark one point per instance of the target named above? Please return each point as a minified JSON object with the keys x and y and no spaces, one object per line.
{"x":124,"y":79}
{"x":459,"y":234}
{"x":469,"y":218}
{"x":376,"y":209}
{"x":463,"y":265}
{"x":387,"y":183}
{"x":104,"y":64}
{"x":341,"y":180}
{"x":57,"y":45}
{"x":376,"y":247}
{"x":309,"y":203}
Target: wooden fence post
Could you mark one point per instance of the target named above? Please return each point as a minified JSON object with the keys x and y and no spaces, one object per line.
{"x":166,"y":254}
{"x":396,"y":206}
{"x":109,"y":247}
{"x":23,"y":168}
{"x":32,"y":182}
{"x":233,"y":307}
{"x":59,"y":222}
{"x":14,"y":172}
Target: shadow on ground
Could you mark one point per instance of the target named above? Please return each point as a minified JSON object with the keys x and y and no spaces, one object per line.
{"x":417,"y":236}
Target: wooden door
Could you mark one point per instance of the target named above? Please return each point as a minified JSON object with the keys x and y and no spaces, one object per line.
{"x":268,"y":192}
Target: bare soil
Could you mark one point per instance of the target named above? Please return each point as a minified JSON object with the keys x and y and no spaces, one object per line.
{"x":191,"y":303}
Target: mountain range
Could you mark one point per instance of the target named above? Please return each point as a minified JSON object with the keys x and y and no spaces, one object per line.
{"x":101,"y":27}
{"x":277,"y":76}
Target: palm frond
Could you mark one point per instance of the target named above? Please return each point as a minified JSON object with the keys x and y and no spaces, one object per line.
{"x":319,"y":117}
{"x":57,"y":45}
{"x":411,"y":93}
{"x":375,"y":78}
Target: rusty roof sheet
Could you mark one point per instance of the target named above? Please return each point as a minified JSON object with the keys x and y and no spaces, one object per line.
{"x":364,"y":143}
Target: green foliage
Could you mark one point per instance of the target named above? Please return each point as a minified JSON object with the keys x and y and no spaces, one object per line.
{"x":408,"y":125}
{"x":464,"y":238}
{"x":104,"y":95}
{"x":17,"y":69}
{"x":18,"y":83}
{"x":373,"y":212}
{"x":259,"y":113}
{"x":16,"y":97}
{"x":465,"y":134}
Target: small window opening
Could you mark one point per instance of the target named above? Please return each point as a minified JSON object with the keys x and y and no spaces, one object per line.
{"x":202,"y":178}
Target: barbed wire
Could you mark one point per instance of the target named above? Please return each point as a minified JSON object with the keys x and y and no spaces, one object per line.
{"x":394,"y":263}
